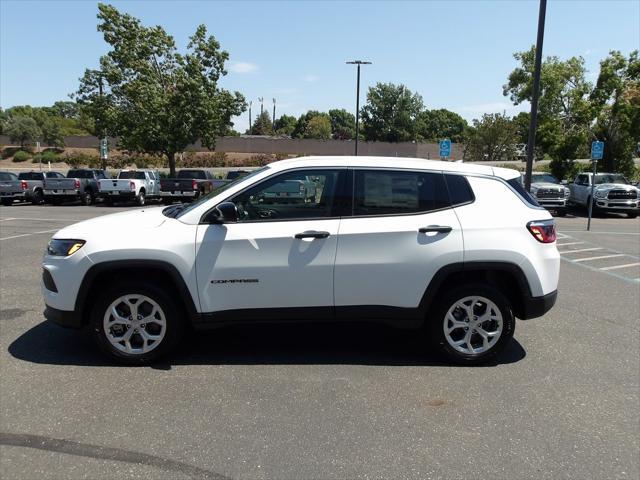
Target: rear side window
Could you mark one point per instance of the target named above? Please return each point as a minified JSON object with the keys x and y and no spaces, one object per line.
{"x":526,"y":196}
{"x":7,"y":176}
{"x":460,"y":191}
{"x":390,"y":192}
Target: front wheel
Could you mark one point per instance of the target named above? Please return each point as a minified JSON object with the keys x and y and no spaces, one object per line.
{"x":7,"y":202}
{"x":632,"y":214}
{"x":87,"y":198}
{"x":472,"y":324}
{"x":136,"y":323}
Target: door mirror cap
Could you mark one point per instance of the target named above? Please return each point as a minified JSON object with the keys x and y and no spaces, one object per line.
{"x":226,"y":212}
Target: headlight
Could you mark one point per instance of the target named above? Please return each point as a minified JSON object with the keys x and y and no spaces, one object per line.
{"x":600,"y":194}
{"x":63,"y":248}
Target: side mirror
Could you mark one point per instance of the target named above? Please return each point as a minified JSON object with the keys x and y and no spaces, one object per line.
{"x":226,"y":212}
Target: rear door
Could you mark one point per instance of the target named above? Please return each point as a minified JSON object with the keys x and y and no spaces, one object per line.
{"x":403,"y":230}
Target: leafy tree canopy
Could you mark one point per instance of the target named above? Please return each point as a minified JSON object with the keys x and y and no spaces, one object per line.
{"x":262,"y":124}
{"x":22,"y":129}
{"x":318,"y":127}
{"x":435,"y":125}
{"x":343,"y":124}
{"x":492,"y":138}
{"x":285,"y":125}
{"x":155,"y":99}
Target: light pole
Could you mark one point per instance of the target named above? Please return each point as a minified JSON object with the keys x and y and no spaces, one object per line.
{"x":274,"y":113}
{"x":531,"y":144}
{"x":250,"y":126}
{"x":103,"y":141}
{"x":358,"y":63}
{"x":261,"y":99}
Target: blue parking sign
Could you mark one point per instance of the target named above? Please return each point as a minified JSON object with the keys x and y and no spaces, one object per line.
{"x":597,"y":150}
{"x":445,"y":148}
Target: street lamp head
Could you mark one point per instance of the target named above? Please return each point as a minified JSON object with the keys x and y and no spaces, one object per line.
{"x":358,"y":62}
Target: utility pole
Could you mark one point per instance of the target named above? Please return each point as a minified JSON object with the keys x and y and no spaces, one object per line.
{"x":250,"y":125}
{"x":103,"y":141}
{"x":261,"y":99}
{"x":531,"y":144}
{"x":274,"y":114}
{"x":358,"y":63}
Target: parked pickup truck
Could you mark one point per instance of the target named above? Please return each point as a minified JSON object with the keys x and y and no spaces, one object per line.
{"x":612,"y":193}
{"x":35,"y":184}
{"x":79,"y":184}
{"x":290,"y":191}
{"x":138,"y":185}
{"x":188,"y":185}
{"x":550,"y":193}
{"x":11,"y":188}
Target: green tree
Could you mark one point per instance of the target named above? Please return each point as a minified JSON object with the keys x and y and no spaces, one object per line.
{"x":157,"y":100}
{"x":301,"y":124}
{"x":22,"y":129}
{"x":492,"y":138}
{"x":52,"y":132}
{"x":521,"y":122}
{"x":434,"y":125}
{"x":285,"y":125}
{"x":65,"y":109}
{"x":343,"y":124}
{"x":390,"y":113}
{"x":565,"y":113}
{"x":262,"y":124}
{"x":616,"y":98}
{"x":318,"y":127}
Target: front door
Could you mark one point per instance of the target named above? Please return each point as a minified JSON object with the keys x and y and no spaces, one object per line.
{"x":281,"y":252}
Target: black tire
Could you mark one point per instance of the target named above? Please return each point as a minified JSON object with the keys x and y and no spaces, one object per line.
{"x":7,"y":202}
{"x":87,"y":197}
{"x":632,"y":214}
{"x":436,"y":324}
{"x":38,"y":197}
{"x":108,"y":201}
{"x":172,"y":314}
{"x":141,"y":198}
{"x":561,"y":212}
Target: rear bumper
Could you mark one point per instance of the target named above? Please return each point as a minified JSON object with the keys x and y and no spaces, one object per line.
{"x":63,"y":318}
{"x":117,"y":193}
{"x":21,"y":195}
{"x":534,"y":307}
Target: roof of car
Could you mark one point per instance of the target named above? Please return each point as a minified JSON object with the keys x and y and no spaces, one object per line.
{"x":394,"y":162}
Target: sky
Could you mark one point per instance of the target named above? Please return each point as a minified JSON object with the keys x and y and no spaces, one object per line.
{"x":455,"y":54}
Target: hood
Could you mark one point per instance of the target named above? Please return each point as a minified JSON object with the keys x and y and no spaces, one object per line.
{"x":114,"y":224}
{"x":616,"y":186}
{"x":547,"y":185}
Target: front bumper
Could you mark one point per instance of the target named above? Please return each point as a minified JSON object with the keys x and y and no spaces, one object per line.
{"x":534,"y":307}
{"x":552,"y":203}
{"x":617,"y":205}
{"x":63,"y":318}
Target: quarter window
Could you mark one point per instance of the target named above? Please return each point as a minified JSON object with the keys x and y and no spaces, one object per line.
{"x":459,"y":190}
{"x":389,"y":192}
{"x":292,"y":195}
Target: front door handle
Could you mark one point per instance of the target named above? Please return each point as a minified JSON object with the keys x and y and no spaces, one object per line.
{"x":435,"y":228}
{"x":312,"y":234}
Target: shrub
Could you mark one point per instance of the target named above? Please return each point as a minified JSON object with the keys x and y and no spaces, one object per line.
{"x":259,"y":160}
{"x":9,"y":152}
{"x":21,"y":156}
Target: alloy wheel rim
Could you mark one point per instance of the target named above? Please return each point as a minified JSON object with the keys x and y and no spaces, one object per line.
{"x":134,"y":324}
{"x":473,"y":325}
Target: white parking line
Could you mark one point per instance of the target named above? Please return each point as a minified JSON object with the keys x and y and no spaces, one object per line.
{"x":581,"y":250}
{"x":43,"y":219}
{"x":615,"y":267}
{"x":570,"y":243}
{"x":6,"y":219}
{"x":29,"y":234}
{"x":598,"y":258}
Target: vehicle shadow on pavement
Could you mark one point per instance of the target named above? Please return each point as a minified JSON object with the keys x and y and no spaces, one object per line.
{"x":275,"y":344}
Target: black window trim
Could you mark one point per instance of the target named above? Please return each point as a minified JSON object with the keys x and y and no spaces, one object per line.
{"x":341,"y":184}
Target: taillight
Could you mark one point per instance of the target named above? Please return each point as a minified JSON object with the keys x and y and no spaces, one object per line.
{"x":543,"y":230}
{"x":132,"y":186}
{"x":77,"y":183}
{"x":23,"y":185}
{"x":194,"y":185}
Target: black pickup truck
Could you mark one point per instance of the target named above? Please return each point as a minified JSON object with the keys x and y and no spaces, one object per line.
{"x":188,"y":185}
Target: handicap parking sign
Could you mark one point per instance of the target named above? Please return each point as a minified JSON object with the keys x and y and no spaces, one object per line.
{"x":445,"y":148}
{"x":597,"y":150}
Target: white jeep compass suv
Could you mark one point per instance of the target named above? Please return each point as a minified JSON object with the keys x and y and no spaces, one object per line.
{"x":457,"y":248}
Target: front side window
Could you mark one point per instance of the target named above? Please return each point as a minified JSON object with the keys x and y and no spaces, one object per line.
{"x":389,"y":192}
{"x":292,"y":195}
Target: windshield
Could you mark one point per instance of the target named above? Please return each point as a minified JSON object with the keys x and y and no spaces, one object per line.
{"x":216,"y":191}
{"x":543,"y":178}
{"x":131,"y":174}
{"x":610,"y":178}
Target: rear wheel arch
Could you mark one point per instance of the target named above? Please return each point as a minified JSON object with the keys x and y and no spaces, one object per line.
{"x":102,"y":275}
{"x":508,"y":278}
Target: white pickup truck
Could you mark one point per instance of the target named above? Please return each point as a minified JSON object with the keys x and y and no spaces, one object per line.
{"x":612,"y":193}
{"x":138,"y":185}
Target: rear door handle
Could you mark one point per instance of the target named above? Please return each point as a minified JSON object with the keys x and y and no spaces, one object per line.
{"x":312,"y":234}
{"x":435,"y":228}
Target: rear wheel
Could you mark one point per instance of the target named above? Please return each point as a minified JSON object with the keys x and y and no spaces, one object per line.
{"x":136,"y":323}
{"x":37,"y":197}
{"x":87,"y":197}
{"x":108,"y":201}
{"x":472,"y":324}
{"x":7,"y":202}
{"x":141,"y":198}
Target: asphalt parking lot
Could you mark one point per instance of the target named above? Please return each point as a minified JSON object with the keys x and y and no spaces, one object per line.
{"x":328,"y":402}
